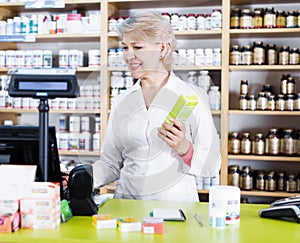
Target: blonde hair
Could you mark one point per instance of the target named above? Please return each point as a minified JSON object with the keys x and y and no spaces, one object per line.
{"x":151,"y":27}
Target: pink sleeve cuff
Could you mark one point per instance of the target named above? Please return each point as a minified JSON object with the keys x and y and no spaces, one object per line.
{"x":187,"y":157}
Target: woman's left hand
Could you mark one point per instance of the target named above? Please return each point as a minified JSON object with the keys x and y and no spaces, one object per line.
{"x":174,"y":136}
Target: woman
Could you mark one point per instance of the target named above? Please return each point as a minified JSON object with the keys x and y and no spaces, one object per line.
{"x":149,"y":158}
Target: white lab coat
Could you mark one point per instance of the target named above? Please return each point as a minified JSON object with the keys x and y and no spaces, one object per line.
{"x":144,"y":166}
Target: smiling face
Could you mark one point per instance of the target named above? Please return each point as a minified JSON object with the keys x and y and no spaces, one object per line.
{"x":143,"y":58}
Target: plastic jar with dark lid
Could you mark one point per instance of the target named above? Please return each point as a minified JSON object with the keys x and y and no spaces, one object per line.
{"x":258,"y":144}
{"x":271,"y":103}
{"x":235,"y":18}
{"x":298,"y":18}
{"x":233,"y":175}
{"x":258,"y":52}
{"x":246,"y":55}
{"x":271,"y":54}
{"x":281,"y":177}
{"x":258,"y":18}
{"x":291,"y":20}
{"x":280,"y":19}
{"x":246,"y":178}
{"x":289,"y":102}
{"x":234,"y":143}
{"x":272,"y":142}
{"x":270,"y":181}
{"x":287,"y":142}
{"x":283,"y":84}
{"x":269,"y":18}
{"x":297,"y":102}
{"x":294,"y":58}
{"x":284,"y":55}
{"x":243,"y":103}
{"x":244,"y":87}
{"x":290,"y":85}
{"x":246,"y":143}
{"x":251,"y":103}
{"x":291,"y":183}
{"x":267,"y":89}
{"x":260,"y":180}
{"x":235,"y":55}
{"x":262,"y":101}
{"x":280,"y":102}
{"x":246,"y":19}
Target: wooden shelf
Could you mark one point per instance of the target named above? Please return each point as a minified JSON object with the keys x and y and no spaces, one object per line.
{"x":140,"y":4}
{"x":62,"y":111}
{"x":79,"y":69}
{"x":279,"y":68}
{"x":264,"y":158}
{"x":275,"y":32}
{"x":176,"y":68}
{"x":79,"y":153}
{"x":265,"y":113}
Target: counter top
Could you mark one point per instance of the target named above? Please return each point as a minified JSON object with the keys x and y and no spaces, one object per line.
{"x":252,"y":228}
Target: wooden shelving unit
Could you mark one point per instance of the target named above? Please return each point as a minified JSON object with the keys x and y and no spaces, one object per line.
{"x":108,"y":40}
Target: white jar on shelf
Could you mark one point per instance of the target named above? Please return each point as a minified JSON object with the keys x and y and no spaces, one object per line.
{"x":199,"y":57}
{"x":214,"y":98}
{"x":204,"y":80}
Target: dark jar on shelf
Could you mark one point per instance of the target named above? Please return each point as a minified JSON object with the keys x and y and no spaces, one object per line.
{"x":246,"y":55}
{"x":246,"y":143}
{"x":289,"y":102}
{"x":262,"y":101}
{"x":271,"y":103}
{"x":281,"y":177}
{"x":270,"y":184}
{"x":280,"y":102}
{"x":260,"y":180}
{"x":291,"y":20}
{"x":283,"y":83}
{"x":284,"y":55}
{"x":272,"y":142}
{"x":294,"y":58}
{"x":258,"y":144}
{"x":243,"y":103}
{"x":291,"y":183}
{"x":246,"y":178}
{"x":287,"y":142}
{"x":271,"y":54}
{"x":280,"y":19}
{"x":235,"y":18}
{"x":251,"y":103}
{"x":258,"y":18}
{"x":234,"y":143}
{"x":246,"y":19}
{"x":290,"y":85}
{"x":244,"y":87}
{"x":297,"y":102}
{"x":269,"y":18}
{"x":235,"y":55}
{"x":233,"y":175}
{"x":297,"y":143}
{"x":258,"y":53}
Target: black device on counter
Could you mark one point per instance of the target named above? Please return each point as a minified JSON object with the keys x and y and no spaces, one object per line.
{"x":285,"y":209}
{"x":20,"y":145}
{"x":80,"y":186}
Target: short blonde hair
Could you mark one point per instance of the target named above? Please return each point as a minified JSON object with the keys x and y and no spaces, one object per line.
{"x":151,"y":27}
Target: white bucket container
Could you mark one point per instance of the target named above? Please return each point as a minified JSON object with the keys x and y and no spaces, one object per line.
{"x":224,"y":206}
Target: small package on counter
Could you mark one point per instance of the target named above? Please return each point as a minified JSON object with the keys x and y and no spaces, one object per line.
{"x":153,"y":225}
{"x":129,"y":224}
{"x":9,"y":222}
{"x":104,"y":221}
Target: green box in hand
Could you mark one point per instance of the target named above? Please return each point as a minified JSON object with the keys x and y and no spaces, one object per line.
{"x":182,"y":108}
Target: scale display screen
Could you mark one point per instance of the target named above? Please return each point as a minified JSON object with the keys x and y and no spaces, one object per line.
{"x":42,"y":86}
